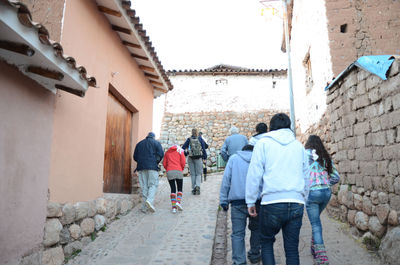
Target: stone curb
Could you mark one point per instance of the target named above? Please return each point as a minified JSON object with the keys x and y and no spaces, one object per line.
{"x":220,"y":239}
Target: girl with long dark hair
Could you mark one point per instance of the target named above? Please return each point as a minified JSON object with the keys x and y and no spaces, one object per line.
{"x":323,"y":174}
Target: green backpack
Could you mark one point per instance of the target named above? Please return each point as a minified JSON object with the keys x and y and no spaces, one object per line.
{"x":195,"y":150}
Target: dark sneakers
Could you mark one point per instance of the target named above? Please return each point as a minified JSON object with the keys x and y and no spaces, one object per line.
{"x":196,"y":190}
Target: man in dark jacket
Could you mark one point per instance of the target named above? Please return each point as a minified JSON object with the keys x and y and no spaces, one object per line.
{"x":148,"y":153}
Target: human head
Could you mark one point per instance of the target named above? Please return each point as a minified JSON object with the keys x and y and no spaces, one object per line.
{"x":200,"y":133}
{"x":194,"y":132}
{"x":248,"y":147}
{"x":324,"y":159}
{"x":234,"y":130}
{"x":314,"y":142}
{"x":151,"y":135}
{"x":279,"y":121}
{"x":261,"y":128}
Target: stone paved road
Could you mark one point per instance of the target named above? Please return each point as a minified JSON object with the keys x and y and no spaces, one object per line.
{"x":186,"y":238}
{"x":160,"y":238}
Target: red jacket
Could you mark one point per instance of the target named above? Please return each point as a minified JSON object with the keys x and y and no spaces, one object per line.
{"x":174,"y":159}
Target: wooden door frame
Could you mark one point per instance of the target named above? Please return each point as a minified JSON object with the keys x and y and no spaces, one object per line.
{"x":126,"y":104}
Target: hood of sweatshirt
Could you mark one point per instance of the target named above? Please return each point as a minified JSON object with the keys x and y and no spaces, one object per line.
{"x":175,"y":148}
{"x":245,"y":155}
{"x":282,"y":136}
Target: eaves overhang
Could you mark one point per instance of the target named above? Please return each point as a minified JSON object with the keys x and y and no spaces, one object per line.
{"x":126,"y":24}
{"x":26,"y":45}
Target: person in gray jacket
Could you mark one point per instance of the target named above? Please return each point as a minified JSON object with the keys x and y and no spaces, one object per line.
{"x":233,"y":143}
{"x":233,"y":191}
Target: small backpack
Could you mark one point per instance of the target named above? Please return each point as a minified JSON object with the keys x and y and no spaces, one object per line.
{"x":195,"y":150}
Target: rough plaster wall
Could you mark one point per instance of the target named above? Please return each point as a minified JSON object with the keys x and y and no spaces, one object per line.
{"x":373,"y":28}
{"x":241,"y":93}
{"x":48,"y":13}
{"x":309,"y":35}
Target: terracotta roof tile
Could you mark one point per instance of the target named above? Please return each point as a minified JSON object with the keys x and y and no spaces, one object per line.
{"x":227,"y":69}
{"x":25,"y":19}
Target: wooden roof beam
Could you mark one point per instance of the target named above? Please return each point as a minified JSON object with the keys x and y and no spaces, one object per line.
{"x":156,"y":83}
{"x":152,"y":76}
{"x":139,"y":57}
{"x":17,"y":47}
{"x":121,"y":29}
{"x":45,"y":72}
{"x":146,"y":68}
{"x":130,"y":44}
{"x":109,"y":11}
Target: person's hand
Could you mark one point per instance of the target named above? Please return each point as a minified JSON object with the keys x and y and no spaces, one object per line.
{"x":252,"y":211}
{"x":225,"y":207}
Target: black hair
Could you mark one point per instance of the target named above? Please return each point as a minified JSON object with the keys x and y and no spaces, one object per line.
{"x":248,"y":147}
{"x":279,"y":121}
{"x":261,"y":128}
{"x":324,"y":159}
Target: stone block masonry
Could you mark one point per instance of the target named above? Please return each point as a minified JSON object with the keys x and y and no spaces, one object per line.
{"x":365,"y":143}
{"x":177,"y":127}
{"x":69,"y":227}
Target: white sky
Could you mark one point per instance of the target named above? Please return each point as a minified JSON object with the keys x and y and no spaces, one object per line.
{"x":190,"y":34}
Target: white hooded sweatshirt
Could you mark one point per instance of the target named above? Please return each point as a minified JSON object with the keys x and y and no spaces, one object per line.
{"x":280,"y":163}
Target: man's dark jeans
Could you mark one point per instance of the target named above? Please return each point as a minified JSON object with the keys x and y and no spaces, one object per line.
{"x":273,"y":218}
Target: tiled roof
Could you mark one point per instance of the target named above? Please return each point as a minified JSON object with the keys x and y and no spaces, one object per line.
{"x":25,"y":18}
{"x":227,"y":69}
{"x":126,"y":24}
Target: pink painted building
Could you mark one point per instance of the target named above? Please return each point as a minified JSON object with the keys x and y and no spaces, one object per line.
{"x":66,"y":137}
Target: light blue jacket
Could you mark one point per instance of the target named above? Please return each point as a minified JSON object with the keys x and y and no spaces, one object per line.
{"x":233,"y":187}
{"x":280,"y":163}
{"x":232,"y":144}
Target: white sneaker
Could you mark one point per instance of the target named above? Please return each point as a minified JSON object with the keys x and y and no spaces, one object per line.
{"x":179,"y":206}
{"x":173,"y":210}
{"x":150,"y":206}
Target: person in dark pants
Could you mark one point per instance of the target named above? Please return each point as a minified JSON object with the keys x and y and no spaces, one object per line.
{"x":280,"y":164}
{"x":148,"y":154}
{"x":197,"y":153}
{"x":233,"y":190}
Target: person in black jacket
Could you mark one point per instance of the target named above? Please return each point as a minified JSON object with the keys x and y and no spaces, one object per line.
{"x":148,"y":154}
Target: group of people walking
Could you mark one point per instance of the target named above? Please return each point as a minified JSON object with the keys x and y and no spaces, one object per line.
{"x":149,"y":153}
{"x":269,"y":180}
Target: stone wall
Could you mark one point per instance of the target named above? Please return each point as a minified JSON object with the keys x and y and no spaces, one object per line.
{"x":176,"y":128}
{"x":365,"y":143}
{"x":358,"y":28}
{"x":69,"y":227}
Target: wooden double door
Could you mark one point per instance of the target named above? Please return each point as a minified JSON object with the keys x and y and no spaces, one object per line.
{"x":117,"y":154}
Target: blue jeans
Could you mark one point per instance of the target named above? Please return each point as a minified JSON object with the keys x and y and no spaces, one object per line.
{"x":316,"y":203}
{"x":239,"y":215}
{"x":148,"y":180}
{"x":273,"y":218}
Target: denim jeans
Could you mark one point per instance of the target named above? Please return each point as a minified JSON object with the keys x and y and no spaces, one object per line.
{"x":148,"y":180}
{"x":239,"y":215}
{"x":273,"y":218}
{"x":316,"y":203}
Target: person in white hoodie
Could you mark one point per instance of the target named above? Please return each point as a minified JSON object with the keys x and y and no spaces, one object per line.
{"x":280,"y":164}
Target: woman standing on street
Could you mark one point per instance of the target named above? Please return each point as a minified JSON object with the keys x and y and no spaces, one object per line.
{"x":174,"y":163}
{"x":323,"y":174}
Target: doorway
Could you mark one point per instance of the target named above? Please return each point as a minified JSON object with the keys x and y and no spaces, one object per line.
{"x":117,"y":153}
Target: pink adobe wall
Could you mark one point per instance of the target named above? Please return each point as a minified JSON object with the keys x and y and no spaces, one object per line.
{"x":80,"y":123}
{"x":26,"y":115}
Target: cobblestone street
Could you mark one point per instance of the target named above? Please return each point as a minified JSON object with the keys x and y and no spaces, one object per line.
{"x":187,"y":237}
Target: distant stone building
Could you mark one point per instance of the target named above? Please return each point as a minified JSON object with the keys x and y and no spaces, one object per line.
{"x":216,"y":98}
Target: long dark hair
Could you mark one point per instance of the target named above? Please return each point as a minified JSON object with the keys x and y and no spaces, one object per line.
{"x":324,"y":159}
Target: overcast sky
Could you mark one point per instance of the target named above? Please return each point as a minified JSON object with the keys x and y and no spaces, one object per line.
{"x":190,"y":34}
